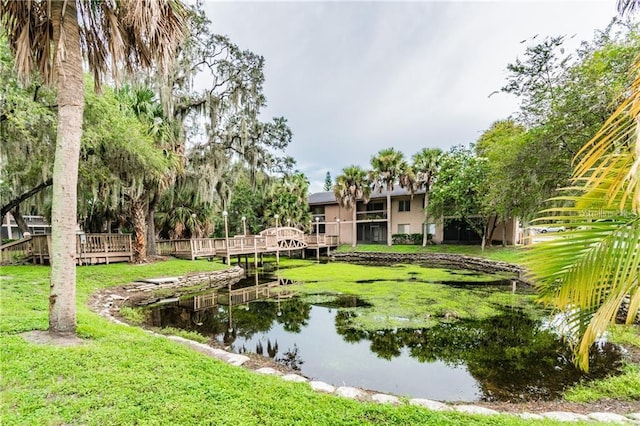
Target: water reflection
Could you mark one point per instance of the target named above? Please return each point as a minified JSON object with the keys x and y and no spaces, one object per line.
{"x":507,"y":357}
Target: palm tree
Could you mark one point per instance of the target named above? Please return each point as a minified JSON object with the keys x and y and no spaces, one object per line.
{"x":389,"y":168}
{"x":425,"y":166}
{"x":589,"y":273}
{"x":51,"y":38}
{"x":352,"y":185}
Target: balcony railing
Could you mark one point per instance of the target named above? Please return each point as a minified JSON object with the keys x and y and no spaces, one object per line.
{"x":371,"y":215}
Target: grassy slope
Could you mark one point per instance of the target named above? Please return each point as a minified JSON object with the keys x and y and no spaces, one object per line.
{"x":122,"y":375}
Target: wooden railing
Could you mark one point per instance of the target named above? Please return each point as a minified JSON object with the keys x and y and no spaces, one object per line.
{"x":284,"y":233}
{"x":321,"y":240}
{"x":269,"y":240}
{"x":90,"y":248}
{"x":16,"y":251}
{"x":188,"y":249}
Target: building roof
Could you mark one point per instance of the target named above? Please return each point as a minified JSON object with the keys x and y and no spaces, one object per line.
{"x":329,"y":198}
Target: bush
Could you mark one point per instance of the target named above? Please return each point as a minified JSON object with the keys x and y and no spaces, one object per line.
{"x":408,"y":238}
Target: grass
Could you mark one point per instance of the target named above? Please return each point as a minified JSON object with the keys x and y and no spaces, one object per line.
{"x":123,"y":375}
{"x":625,"y":386}
{"x":510,"y":254}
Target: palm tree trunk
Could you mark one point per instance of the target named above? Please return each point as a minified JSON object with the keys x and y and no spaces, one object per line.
{"x":69,"y":80}
{"x":139,"y":228}
{"x":354,"y":226}
{"x":389,"y":189}
{"x":426,"y":218}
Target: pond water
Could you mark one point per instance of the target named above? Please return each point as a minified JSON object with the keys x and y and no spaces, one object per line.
{"x":507,"y":357}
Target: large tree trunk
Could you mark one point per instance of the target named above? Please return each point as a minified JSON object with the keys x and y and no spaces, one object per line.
{"x":140,"y":230}
{"x":389,"y":239}
{"x":151,"y":225}
{"x":492,"y":231}
{"x":69,"y":81}
{"x":17,"y":216}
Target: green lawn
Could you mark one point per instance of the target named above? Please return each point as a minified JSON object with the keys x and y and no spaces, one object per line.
{"x":123,"y":375}
{"x":506,"y":254}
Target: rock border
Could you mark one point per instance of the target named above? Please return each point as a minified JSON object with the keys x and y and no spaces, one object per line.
{"x":438,"y":260}
{"x":108,"y":301}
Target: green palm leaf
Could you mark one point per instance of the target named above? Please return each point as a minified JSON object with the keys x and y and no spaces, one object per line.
{"x":587,"y":273}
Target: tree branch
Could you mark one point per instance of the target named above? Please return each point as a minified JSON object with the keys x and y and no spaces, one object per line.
{"x":16,"y":201}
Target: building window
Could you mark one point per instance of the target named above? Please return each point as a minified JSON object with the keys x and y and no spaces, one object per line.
{"x":403,"y":228}
{"x":375,"y":206}
{"x":404,"y":205}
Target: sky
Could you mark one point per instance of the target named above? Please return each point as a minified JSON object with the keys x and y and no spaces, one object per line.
{"x":356,"y":77}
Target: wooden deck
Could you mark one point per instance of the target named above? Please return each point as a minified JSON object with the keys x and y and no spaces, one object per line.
{"x":109,"y":248}
{"x":91,"y":249}
{"x":270,"y":240}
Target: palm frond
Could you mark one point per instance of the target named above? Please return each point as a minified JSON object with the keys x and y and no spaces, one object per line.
{"x":587,"y":273}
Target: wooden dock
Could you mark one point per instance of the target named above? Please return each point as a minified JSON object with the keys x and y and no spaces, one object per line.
{"x":109,"y":248}
{"x":272,"y":240}
{"x":91,"y":249}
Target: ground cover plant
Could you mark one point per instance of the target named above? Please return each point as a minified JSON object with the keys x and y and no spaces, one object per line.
{"x":407,"y":296}
{"x":123,"y":375}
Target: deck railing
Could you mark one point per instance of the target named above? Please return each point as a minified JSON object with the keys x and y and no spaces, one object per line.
{"x":16,"y":251}
{"x":90,"y":248}
{"x":286,"y":238}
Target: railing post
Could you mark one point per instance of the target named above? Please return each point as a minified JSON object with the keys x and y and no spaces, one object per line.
{"x":255,"y":253}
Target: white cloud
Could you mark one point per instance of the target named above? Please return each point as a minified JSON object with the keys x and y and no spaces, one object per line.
{"x":355,"y":77}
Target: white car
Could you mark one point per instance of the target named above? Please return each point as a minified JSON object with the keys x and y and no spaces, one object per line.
{"x":550,"y":228}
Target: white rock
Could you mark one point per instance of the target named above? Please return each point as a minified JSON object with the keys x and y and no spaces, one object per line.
{"x":218,"y":353}
{"x":160,"y":280}
{"x":563,"y":416}
{"x":322,"y":387}
{"x":474,"y":409}
{"x":349,"y":392}
{"x":608,"y":417}
{"x":294,"y":378}
{"x":236,"y":359}
{"x":431,"y":405}
{"x":530,"y":416}
{"x":383,"y":398}
{"x":269,"y":371}
{"x":634,"y":416}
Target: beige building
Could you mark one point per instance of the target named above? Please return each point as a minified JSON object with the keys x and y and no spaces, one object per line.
{"x":407,"y":217}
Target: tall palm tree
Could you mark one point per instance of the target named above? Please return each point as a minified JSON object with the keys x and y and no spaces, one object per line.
{"x":51,"y":38}
{"x":389,"y":168}
{"x":425,"y":166}
{"x":352,"y":185}
{"x":589,"y":273}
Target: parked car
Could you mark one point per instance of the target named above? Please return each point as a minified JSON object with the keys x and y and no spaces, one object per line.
{"x":550,"y":228}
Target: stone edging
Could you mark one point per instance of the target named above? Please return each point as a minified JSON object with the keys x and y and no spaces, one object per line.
{"x":441,"y":260}
{"x":109,"y":300}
